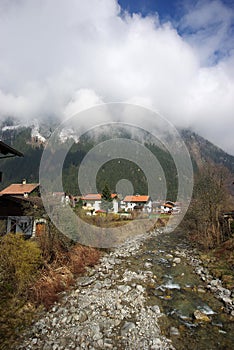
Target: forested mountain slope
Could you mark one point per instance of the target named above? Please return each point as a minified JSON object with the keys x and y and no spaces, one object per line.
{"x":14,"y":170}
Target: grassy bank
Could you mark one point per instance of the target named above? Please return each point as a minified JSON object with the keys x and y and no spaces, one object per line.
{"x":220,"y":262}
{"x":33,"y":274}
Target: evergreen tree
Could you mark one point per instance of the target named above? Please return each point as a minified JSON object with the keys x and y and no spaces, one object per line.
{"x":106,"y":199}
{"x":106,"y":193}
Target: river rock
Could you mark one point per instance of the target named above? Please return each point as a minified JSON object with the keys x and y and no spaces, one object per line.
{"x":34,"y":341}
{"x":140,"y":288}
{"x":174,"y":331}
{"x":156,"y":309}
{"x":227,"y":300}
{"x":215,"y":283}
{"x":177,"y":260}
{"x":83,"y":316}
{"x":201,"y":316}
{"x":169,"y":256}
{"x":86,"y":281}
{"x":105,"y":311}
{"x":123,"y":288}
{"x":128,"y":326}
{"x":148,"y":265}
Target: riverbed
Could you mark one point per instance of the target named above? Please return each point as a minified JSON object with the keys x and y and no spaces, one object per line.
{"x":180,"y":292}
{"x":143,"y":295}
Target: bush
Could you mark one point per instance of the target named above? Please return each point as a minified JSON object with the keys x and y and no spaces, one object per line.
{"x":19,"y":262}
{"x":52,"y":282}
{"x":34,"y":273}
{"x":57,"y":278}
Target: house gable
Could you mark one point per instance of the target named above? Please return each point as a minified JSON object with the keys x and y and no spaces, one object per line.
{"x":19,"y":189}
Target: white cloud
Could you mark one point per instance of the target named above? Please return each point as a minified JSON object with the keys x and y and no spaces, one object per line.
{"x":58,"y":57}
{"x":207,"y":27}
{"x":82,"y":99}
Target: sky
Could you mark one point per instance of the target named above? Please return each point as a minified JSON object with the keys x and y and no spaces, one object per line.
{"x":177,"y":57}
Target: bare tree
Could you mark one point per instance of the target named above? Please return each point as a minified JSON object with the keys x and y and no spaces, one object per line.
{"x":210,"y":198}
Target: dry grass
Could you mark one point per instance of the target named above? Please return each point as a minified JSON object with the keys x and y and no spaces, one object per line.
{"x":33,"y":274}
{"x":81,"y":256}
{"x":103,"y":220}
{"x":60,"y":275}
{"x":52,"y":282}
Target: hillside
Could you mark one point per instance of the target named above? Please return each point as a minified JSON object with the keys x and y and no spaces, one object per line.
{"x":201,"y":151}
{"x":30,"y":141}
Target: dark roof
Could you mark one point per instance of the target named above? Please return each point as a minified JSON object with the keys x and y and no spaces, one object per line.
{"x":5,"y":150}
{"x":32,"y":200}
{"x":15,"y":205}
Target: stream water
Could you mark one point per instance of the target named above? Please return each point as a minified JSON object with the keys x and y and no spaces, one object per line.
{"x":179,"y":292}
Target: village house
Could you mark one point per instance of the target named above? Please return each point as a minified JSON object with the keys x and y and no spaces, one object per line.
{"x":92,"y":202}
{"x":137,"y":202}
{"x":15,"y":202}
{"x":170,"y":207}
{"x":22,"y":189}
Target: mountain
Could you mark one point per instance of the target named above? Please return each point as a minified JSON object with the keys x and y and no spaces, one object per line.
{"x":30,"y":140}
{"x":201,"y":151}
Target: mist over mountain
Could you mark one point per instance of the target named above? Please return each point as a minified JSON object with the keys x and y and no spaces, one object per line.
{"x":31,"y":139}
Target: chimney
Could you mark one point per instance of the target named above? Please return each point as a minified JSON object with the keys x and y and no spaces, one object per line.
{"x":24,"y":182}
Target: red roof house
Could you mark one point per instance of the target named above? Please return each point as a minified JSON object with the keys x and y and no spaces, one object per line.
{"x":137,"y":201}
{"x":22,"y":189}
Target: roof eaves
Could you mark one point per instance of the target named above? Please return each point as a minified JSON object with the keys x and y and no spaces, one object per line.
{"x":6,"y":149}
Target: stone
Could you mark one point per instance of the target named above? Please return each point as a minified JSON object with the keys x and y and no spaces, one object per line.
{"x":148,"y":265}
{"x":54,"y":322}
{"x":34,"y":341}
{"x":227,"y":300}
{"x":177,"y":260}
{"x":174,"y":331}
{"x":215,"y":283}
{"x":156,"y":309}
{"x":64,"y":320}
{"x":201,"y":316}
{"x":82,"y":316}
{"x":140,"y":288}
{"x":127,"y":327}
{"x":76,"y":317}
{"x":123,"y":288}
{"x":108,"y":343}
{"x":86,"y":281}
{"x":100,"y":343}
{"x":97,"y":336}
{"x":169,"y":256}
{"x":73,"y":309}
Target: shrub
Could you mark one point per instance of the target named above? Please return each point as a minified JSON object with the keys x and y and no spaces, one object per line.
{"x":82,"y":256}
{"x":53,"y":281}
{"x":19,"y":262}
{"x":56,"y":279}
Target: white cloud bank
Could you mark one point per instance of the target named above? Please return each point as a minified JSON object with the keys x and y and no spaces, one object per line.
{"x":59,"y":56}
